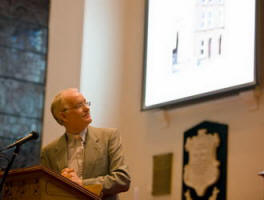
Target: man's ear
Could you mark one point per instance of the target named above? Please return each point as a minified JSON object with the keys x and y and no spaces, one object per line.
{"x":62,"y":117}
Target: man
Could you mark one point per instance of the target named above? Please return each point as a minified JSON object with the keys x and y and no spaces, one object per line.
{"x":85,"y":154}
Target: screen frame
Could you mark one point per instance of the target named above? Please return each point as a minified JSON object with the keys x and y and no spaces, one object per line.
{"x":212,"y":95}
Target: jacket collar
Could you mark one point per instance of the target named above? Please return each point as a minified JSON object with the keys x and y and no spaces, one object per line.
{"x":92,"y":150}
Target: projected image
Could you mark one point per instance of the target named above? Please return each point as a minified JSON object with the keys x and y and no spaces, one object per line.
{"x":197,"y":48}
{"x":207,"y":34}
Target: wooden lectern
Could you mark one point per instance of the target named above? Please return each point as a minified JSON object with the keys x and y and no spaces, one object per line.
{"x":40,"y":183}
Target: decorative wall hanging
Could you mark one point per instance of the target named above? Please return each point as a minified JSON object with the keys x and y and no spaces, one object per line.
{"x":204,"y":162}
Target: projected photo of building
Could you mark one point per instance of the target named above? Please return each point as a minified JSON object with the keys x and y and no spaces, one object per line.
{"x":206,"y":37}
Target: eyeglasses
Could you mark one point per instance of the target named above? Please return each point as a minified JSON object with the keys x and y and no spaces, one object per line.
{"x":78,"y":106}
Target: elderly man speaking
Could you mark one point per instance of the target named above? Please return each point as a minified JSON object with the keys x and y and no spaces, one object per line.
{"x":85,"y":154}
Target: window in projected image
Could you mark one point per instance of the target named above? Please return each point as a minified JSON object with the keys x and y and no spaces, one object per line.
{"x":197,"y":48}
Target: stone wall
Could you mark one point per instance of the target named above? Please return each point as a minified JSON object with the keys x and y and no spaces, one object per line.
{"x":23,"y":53}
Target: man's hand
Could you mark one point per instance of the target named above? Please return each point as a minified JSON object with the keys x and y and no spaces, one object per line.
{"x":71,"y":174}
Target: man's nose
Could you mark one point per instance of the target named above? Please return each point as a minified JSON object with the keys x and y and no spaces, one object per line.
{"x":86,"y":107}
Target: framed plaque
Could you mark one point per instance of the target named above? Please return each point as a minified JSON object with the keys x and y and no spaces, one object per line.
{"x":204,"y":162}
{"x":162,"y":169}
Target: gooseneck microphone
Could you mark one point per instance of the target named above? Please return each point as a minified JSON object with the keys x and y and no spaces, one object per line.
{"x":31,"y":136}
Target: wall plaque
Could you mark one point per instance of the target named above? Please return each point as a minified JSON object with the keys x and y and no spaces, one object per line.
{"x":162,"y":167}
{"x":204,"y":162}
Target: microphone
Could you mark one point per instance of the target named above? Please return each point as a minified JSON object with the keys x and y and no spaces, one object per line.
{"x":31,"y":136}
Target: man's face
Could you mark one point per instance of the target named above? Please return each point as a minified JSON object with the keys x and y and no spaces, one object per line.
{"x":76,"y":113}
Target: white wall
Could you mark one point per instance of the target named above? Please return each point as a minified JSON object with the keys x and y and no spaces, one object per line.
{"x":111,"y":78}
{"x":146,"y":134}
{"x":102,"y":61}
{"x":64,"y":57}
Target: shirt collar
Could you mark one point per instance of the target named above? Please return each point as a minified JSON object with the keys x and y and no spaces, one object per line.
{"x":82,"y":134}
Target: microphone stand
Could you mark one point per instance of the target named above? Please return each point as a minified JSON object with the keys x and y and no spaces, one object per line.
{"x":15,"y":153}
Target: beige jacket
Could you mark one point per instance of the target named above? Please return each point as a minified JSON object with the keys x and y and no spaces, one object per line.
{"x":103,"y":160}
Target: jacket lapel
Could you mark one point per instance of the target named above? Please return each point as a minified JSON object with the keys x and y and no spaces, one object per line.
{"x":61,"y":153}
{"x":91,"y":152}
